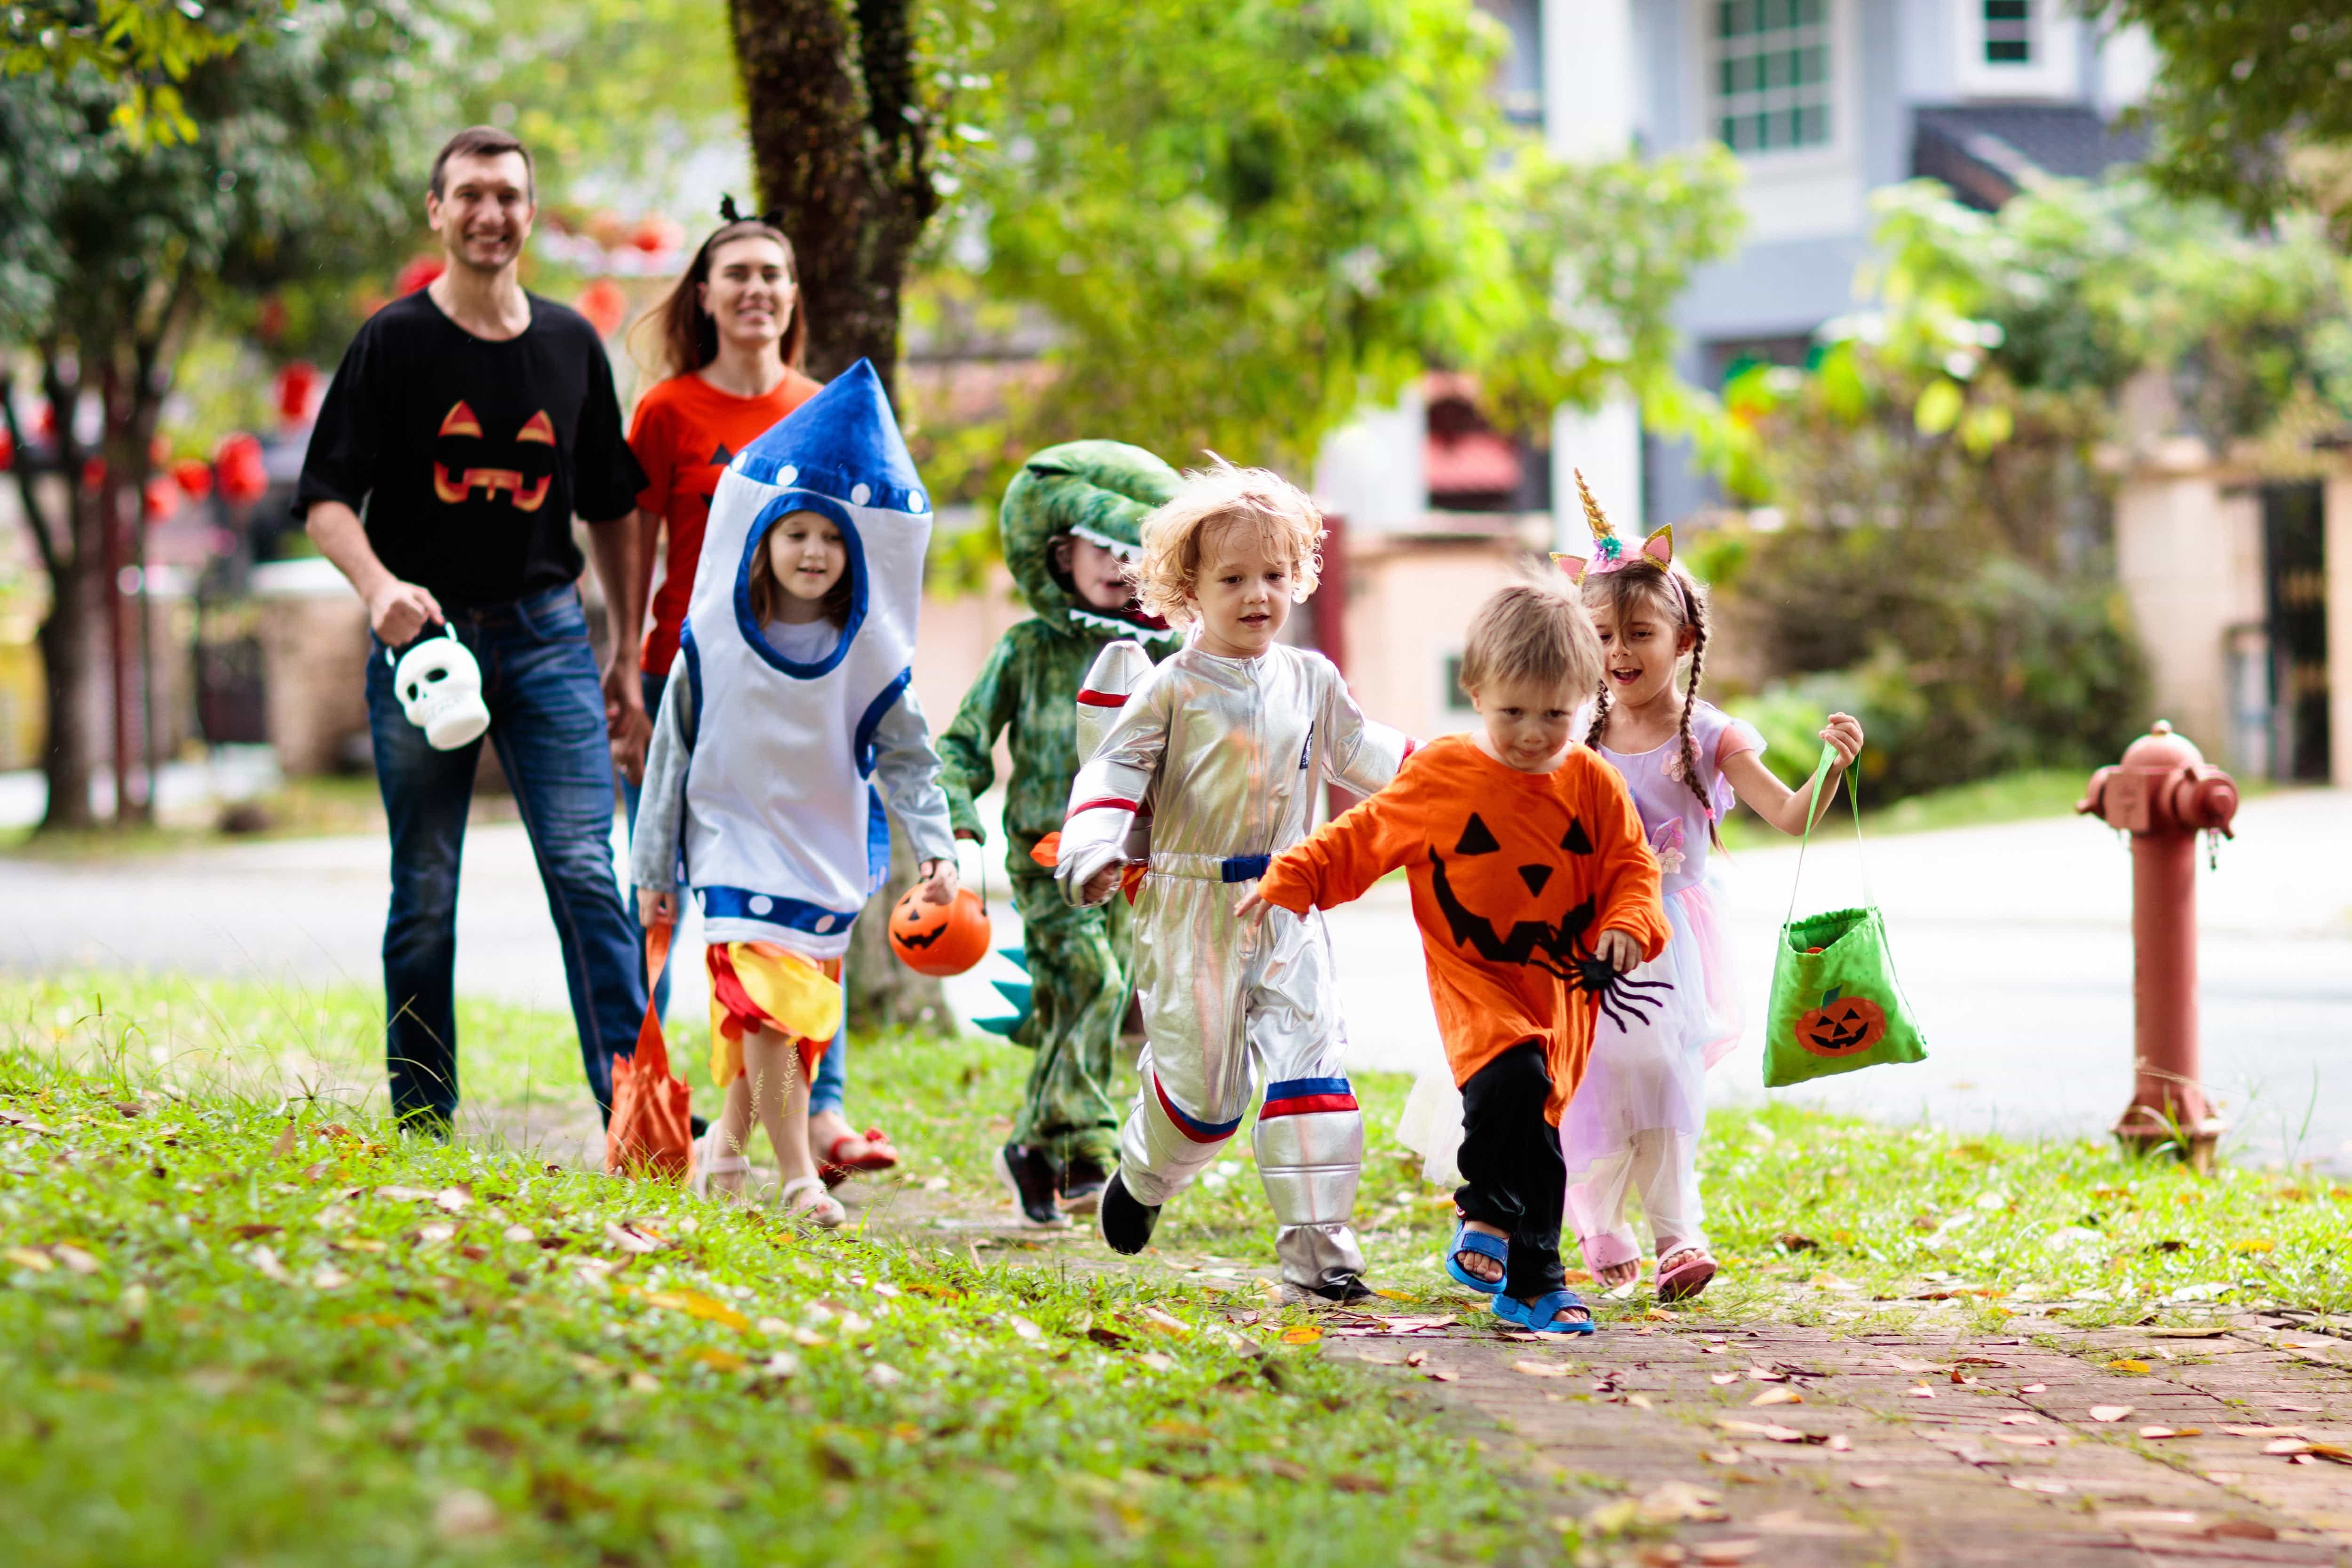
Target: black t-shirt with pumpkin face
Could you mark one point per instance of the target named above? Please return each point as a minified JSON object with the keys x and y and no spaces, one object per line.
{"x":469,"y":458}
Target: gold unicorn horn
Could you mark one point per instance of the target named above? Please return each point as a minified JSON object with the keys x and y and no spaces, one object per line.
{"x":1593,"y":519}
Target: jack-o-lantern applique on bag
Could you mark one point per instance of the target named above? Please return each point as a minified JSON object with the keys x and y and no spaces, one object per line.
{"x":1836,"y":1005}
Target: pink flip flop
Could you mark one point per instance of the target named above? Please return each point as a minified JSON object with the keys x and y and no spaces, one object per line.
{"x":1684,"y":1273}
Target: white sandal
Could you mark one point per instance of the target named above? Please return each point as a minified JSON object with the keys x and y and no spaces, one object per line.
{"x":708,"y":1165}
{"x":826,"y":1213}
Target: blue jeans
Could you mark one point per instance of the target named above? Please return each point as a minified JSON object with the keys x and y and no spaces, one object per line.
{"x":547,"y":720}
{"x":825,"y":1092}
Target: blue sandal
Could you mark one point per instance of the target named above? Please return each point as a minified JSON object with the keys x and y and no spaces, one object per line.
{"x":1542,"y":1314}
{"x":1468,"y":1240}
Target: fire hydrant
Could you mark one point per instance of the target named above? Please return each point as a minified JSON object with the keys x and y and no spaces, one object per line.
{"x":2164,"y":794}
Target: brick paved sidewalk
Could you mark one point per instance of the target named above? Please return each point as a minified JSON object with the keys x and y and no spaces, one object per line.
{"x":1919,"y":1450}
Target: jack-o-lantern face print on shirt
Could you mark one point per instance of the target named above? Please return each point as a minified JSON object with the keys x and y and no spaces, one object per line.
{"x":1506,"y":896}
{"x":470,"y":463}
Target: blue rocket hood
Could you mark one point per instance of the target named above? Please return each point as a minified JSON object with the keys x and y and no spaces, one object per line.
{"x":843,"y":443}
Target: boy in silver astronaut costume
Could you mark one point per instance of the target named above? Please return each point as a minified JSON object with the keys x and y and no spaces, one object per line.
{"x":1223,"y":756}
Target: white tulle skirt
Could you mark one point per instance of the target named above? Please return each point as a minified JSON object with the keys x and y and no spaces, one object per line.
{"x":1636,"y":1118}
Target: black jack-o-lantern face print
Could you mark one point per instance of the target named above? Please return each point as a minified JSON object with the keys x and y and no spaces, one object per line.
{"x":1492,"y":893}
{"x":463,"y":456}
{"x":1841,"y":1025}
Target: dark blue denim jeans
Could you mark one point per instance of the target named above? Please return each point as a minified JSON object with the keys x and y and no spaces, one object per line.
{"x":825,"y":1093}
{"x":547,"y":720}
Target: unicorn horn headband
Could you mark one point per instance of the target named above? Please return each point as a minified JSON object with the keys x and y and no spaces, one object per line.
{"x":1608,"y":552}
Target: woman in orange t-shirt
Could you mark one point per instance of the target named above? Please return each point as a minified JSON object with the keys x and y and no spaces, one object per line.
{"x":732,"y":334}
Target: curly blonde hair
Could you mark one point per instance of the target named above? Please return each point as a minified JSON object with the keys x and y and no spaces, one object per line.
{"x":1212,"y":500}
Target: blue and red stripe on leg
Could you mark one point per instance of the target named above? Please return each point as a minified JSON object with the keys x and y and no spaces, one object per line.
{"x":1304,"y":1096}
{"x":1200,"y":1132}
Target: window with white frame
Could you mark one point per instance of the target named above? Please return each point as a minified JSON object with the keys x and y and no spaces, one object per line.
{"x":2009,"y":31}
{"x":1772,"y":74}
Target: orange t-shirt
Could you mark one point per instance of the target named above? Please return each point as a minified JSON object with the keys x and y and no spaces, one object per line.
{"x":1514,"y":876}
{"x":685,"y":433}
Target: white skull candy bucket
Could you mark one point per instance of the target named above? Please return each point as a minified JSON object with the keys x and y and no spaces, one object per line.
{"x":440,"y":690}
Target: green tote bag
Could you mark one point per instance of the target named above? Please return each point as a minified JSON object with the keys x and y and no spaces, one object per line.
{"x":1836,"y":1005}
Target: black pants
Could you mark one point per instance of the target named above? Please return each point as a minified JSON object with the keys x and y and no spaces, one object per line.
{"x":1512,"y":1176}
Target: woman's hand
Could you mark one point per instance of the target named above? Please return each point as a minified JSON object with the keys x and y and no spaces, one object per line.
{"x":938,"y":881}
{"x":657,"y":908}
{"x":1618,"y":950}
{"x":1843,"y":733}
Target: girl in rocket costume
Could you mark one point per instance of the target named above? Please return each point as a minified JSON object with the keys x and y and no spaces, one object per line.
{"x":1226,"y":743}
{"x":771,"y":760}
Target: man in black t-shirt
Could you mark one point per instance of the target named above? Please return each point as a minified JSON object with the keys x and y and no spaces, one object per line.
{"x":468,"y":423}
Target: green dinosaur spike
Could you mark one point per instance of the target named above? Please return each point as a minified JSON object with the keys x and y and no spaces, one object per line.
{"x":1016,"y":992}
{"x":1018,"y":955}
{"x":998,"y":1026}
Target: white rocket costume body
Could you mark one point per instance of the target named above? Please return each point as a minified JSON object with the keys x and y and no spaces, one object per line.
{"x":764,"y":765}
{"x":1226,"y":756}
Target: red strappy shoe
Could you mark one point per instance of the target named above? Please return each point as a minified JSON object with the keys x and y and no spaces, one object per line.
{"x":879,"y":1155}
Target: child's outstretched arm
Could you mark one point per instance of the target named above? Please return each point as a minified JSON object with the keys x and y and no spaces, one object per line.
{"x":1342,"y":859}
{"x":907,"y":769}
{"x":1786,"y":808}
{"x":1360,"y":753}
{"x":1109,"y":788}
{"x":967,"y":763}
{"x":661,"y":828}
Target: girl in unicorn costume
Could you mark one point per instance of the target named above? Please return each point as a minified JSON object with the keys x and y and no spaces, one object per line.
{"x":1636,"y":1123}
{"x":771,"y":760}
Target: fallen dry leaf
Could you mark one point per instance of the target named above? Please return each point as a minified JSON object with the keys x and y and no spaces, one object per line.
{"x":2125,"y":1364}
{"x":329,"y":1277}
{"x":1393,"y":1295}
{"x":1721,"y":1378}
{"x":2035,"y":1388}
{"x":1765,"y":1429}
{"x":1920,"y":1391}
{"x":25,"y":1257}
{"x":456,"y":1199}
{"x":285,"y":1144}
{"x":1766,"y":1374}
{"x":2025,"y":1439}
{"x":1868,"y":1483}
{"x":1541,"y":1368}
{"x":2172,"y":1431}
{"x":1720,"y":1553}
{"x":1415,"y":1358}
{"x":264,"y":1260}
{"x":1022,"y":1327}
{"x":882,"y":1375}
{"x":404,"y":1194}
{"x":1177,"y":1328}
{"x":2109,"y":1412}
{"x":1719,"y":1456}
{"x":694,"y":1303}
{"x":720,"y":1360}
{"x":627,"y":1238}
{"x":1435,"y":1375}
{"x":2266,"y":1431}
{"x":1778,"y":1396}
{"x":1679,"y":1502}
{"x":1840,"y":1443}
{"x":1303,"y":1334}
{"x":75,"y":1259}
{"x":2030,"y":1483}
{"x":2306,"y":1409}
{"x":2286,"y":1446}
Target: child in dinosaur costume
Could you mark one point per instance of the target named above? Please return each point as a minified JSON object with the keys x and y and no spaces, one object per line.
{"x":1071,"y":521}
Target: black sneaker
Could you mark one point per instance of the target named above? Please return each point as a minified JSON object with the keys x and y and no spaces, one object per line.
{"x":1082,"y":1186}
{"x":1029,"y":1175}
{"x":1126,"y":1224}
{"x":1346,"y":1290}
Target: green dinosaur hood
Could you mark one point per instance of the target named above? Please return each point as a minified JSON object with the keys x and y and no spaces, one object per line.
{"x":1097,"y":490}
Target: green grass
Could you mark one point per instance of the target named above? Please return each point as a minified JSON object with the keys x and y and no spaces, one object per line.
{"x":230,"y":1336}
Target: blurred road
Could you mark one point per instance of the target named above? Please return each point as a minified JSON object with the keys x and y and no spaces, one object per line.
{"x":2013,"y":943}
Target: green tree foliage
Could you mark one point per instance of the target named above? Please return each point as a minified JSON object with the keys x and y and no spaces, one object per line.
{"x":140,"y":51}
{"x":2253,"y":106}
{"x":1943,"y":568}
{"x":1247,"y":221}
{"x":122,"y":243}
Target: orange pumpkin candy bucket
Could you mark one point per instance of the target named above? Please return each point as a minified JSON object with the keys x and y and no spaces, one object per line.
{"x":939,"y":939}
{"x":1836,"y":1005}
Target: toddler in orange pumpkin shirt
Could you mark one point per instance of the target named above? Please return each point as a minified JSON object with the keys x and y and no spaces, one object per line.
{"x":1535,"y":891}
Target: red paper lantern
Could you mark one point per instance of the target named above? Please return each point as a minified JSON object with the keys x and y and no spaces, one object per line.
{"x":237,"y":464}
{"x":605,"y":305}
{"x":656,"y":234}
{"x":296,"y":392}
{"x":193,"y":475}
{"x":419,"y":273}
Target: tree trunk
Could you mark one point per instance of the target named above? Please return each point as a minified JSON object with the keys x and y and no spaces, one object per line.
{"x":838,"y":136}
{"x":68,"y":547}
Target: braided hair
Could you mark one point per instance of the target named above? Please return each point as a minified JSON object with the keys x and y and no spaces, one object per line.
{"x":1643,"y":583}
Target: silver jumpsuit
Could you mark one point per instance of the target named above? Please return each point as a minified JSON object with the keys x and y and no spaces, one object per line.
{"x":1226,"y":755}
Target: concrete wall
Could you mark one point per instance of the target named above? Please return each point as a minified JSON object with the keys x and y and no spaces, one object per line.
{"x":2189,"y":556}
{"x":1410,"y":601}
